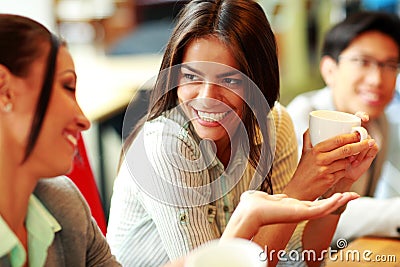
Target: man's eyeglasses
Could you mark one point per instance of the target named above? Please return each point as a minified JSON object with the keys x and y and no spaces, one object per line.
{"x":367,"y":63}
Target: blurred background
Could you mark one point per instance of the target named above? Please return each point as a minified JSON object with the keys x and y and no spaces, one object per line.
{"x":117,"y":47}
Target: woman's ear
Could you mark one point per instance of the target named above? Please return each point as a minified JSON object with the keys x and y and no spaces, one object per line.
{"x":328,"y":68}
{"x":6,"y":95}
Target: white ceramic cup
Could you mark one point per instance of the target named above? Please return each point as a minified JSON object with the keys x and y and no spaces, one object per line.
{"x":235,"y":252}
{"x":325,"y":124}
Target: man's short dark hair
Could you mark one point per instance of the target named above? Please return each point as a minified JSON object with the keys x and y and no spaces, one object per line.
{"x":339,"y":37}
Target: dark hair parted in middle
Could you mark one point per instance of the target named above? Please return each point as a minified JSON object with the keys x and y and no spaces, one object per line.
{"x":342,"y":34}
{"x":243,"y":27}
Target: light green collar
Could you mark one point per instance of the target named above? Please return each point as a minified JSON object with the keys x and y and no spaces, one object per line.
{"x":41,"y":227}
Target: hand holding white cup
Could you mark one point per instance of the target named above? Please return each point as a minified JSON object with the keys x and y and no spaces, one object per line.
{"x":325,"y":124}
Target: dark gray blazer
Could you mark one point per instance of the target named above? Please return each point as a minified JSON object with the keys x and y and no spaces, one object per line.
{"x":80,"y":242}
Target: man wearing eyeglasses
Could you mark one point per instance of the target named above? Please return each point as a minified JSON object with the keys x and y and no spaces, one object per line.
{"x":359,"y":64}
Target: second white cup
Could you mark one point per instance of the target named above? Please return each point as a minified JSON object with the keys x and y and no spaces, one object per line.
{"x":235,"y":252}
{"x":325,"y":124}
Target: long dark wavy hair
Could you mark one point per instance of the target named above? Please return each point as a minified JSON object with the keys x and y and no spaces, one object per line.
{"x":243,"y":27}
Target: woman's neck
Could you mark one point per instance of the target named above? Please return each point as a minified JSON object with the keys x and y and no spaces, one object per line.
{"x":15,"y":191}
{"x":224,"y":151}
{"x":16,"y":187}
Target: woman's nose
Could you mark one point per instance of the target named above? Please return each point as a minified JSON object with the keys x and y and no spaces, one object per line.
{"x":209,"y":90}
{"x":82,"y":121}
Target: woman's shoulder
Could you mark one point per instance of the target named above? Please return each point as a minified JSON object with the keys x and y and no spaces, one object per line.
{"x":60,"y":184}
{"x":171,"y":129}
{"x":168,"y":120}
{"x":80,"y":241}
{"x":61,"y":197}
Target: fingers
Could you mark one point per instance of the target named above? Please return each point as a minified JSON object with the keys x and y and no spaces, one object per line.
{"x":344,"y":146}
{"x":282,"y":209}
{"x":327,"y":203}
{"x":340,"y":199}
{"x":324,"y":207}
{"x":365,"y":155}
{"x":356,"y":159}
{"x":307,"y":140}
{"x":337,"y":142}
{"x":334,"y":166}
{"x":362,"y":115}
{"x":280,"y":196}
{"x":347,"y":197}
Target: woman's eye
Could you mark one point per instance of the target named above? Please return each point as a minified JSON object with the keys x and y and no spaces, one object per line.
{"x":70,"y":88}
{"x":190,"y":77}
{"x":231,"y":82}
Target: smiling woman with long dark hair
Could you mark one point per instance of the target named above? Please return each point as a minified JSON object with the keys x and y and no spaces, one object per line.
{"x":214,"y":129}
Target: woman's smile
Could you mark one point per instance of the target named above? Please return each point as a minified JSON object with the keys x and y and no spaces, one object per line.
{"x":210,"y":119}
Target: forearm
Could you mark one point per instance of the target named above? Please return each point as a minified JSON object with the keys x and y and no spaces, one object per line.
{"x":317,"y":237}
{"x":274,"y":238}
{"x":318,"y":233}
{"x":242,"y":224}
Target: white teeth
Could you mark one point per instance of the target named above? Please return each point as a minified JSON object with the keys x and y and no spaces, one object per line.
{"x":371,"y":96}
{"x":211,"y":117}
{"x":72,"y":139}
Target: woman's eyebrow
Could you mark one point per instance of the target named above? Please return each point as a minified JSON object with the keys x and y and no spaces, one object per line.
{"x":193,"y":70}
{"x":68,"y":71}
{"x":222,"y":75}
{"x":227,"y":74}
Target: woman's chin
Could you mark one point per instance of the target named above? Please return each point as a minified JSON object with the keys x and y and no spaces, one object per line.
{"x":210,"y":133}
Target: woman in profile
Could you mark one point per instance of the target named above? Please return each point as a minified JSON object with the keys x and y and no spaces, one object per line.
{"x":43,"y":221}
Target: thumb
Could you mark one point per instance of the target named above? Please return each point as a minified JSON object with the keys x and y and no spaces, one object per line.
{"x":306,"y":140}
